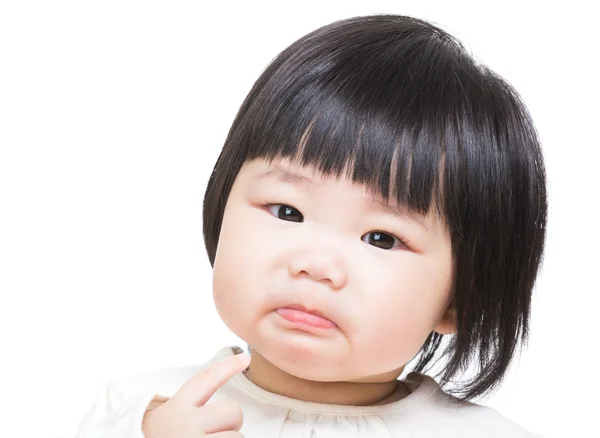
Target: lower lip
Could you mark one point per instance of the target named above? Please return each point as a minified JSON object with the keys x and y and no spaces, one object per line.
{"x":298,"y":316}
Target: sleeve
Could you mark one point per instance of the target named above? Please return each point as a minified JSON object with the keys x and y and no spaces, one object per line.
{"x":114,"y":415}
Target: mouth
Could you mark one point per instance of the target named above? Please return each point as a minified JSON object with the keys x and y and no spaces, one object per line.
{"x":298,"y":314}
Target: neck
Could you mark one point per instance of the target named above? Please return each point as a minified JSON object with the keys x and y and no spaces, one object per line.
{"x":383,"y":389}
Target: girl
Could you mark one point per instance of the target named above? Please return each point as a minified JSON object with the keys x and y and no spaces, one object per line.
{"x":380,"y":198}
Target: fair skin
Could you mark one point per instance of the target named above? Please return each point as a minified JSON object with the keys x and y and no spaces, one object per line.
{"x":187,"y":415}
{"x":294,"y":243}
{"x":322,"y":255}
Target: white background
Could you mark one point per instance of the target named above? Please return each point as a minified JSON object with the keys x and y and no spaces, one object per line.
{"x":112,"y":115}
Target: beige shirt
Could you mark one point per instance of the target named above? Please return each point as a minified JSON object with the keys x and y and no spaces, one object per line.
{"x":425,"y":412}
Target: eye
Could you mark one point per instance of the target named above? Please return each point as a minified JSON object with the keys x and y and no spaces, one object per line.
{"x":285,"y":212}
{"x":381,"y":240}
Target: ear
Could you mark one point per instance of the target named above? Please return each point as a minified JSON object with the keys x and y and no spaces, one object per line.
{"x":447,"y":323}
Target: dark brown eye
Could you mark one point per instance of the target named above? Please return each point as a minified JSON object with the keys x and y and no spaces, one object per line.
{"x":380,"y":239}
{"x":286,"y":213}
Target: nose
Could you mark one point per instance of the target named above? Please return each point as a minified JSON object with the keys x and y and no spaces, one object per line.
{"x":323,"y":266}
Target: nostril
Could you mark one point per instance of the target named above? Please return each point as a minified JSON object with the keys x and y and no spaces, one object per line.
{"x":306,"y":274}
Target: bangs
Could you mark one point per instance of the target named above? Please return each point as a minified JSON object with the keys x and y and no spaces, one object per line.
{"x":396,"y":163}
{"x":384,"y":115}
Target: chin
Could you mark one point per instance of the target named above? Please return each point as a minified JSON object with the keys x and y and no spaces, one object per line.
{"x":302,"y":355}
{"x":307,"y":367}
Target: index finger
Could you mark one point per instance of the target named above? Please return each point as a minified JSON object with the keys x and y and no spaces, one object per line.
{"x":201,"y":387}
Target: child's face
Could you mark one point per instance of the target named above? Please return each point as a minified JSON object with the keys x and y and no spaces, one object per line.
{"x":325,"y":255}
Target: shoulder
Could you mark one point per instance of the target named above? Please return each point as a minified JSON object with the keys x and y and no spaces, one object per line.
{"x":480,"y":419}
{"x":164,"y":382}
{"x":120,"y":405}
{"x":467,"y":418}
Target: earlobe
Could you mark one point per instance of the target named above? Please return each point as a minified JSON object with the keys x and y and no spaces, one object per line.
{"x":447,"y":323}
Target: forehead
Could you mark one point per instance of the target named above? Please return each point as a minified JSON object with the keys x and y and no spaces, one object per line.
{"x":307,"y":177}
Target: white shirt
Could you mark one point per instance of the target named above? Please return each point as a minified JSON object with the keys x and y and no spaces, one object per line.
{"x":426,"y":412}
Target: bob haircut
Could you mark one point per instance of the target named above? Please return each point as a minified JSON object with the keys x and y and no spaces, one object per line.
{"x":400,"y":107}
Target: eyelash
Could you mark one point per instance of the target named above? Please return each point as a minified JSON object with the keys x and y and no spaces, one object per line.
{"x":403,"y":242}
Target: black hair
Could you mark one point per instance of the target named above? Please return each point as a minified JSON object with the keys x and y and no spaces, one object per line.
{"x":404,"y":109}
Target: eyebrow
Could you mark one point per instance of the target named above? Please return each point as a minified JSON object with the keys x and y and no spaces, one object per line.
{"x":288,"y":176}
{"x":399,"y":211}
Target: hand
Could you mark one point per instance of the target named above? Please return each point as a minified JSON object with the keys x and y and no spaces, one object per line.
{"x":185,"y":415}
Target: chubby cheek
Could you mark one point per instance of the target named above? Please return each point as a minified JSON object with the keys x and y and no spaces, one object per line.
{"x":239,"y":285}
{"x":399,"y":316}
{"x":390,"y":341}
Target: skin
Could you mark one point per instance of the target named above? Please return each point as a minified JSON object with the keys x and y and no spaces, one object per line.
{"x":186,"y":414}
{"x":384,"y":302}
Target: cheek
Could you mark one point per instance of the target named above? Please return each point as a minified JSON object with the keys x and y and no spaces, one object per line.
{"x":391,"y":335}
{"x":238,"y":272}
{"x":399,"y":310}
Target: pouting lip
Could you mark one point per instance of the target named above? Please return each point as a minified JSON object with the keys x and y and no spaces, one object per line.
{"x":304,"y":309}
